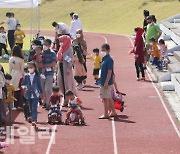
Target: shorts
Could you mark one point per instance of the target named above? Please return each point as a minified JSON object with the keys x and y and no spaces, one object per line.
{"x":105,"y":93}
{"x":9,"y":105}
{"x":96,"y":71}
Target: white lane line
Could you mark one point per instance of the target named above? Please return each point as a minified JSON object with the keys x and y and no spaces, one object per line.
{"x":113,"y":122}
{"x":162,"y":101}
{"x":52,"y":139}
{"x":114,"y":137}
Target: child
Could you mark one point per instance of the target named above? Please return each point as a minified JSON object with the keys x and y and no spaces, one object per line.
{"x":32,"y":84}
{"x":80,"y":73}
{"x":3,"y":41}
{"x":74,"y":102}
{"x":38,"y":58}
{"x":155,"y":53}
{"x":25,"y":103}
{"x":55,"y":99}
{"x":163,"y":50}
{"x":19,"y":36}
{"x":97,"y":62}
{"x":9,"y":88}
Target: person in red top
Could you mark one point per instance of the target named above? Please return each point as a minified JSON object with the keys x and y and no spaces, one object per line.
{"x":138,"y":51}
{"x":54,"y":101}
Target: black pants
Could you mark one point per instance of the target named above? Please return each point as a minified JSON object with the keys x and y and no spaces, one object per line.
{"x":79,"y":79}
{"x":26,"y":108}
{"x":20,"y":44}
{"x":18,"y":96}
{"x":139,"y":67}
{"x":85,"y":63}
{"x":11,"y":38}
{"x":3,"y":46}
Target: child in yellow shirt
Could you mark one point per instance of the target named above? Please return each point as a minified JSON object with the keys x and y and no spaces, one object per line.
{"x":97,"y":62}
{"x":19,"y":36}
{"x":9,"y":91}
{"x":155,"y":53}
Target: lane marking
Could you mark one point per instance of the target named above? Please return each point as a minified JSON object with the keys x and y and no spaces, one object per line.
{"x":52,"y":139}
{"x":162,"y":101}
{"x":114,"y":137}
{"x":113,"y":122}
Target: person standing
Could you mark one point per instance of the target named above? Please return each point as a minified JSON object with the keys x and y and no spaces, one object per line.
{"x":33,"y":88}
{"x":75,"y":25}
{"x":82,"y":44}
{"x":138,"y":51}
{"x":19,"y":36}
{"x":16,"y":69}
{"x":3,"y":41}
{"x":145,"y":23}
{"x":11,"y":23}
{"x":106,"y":81}
{"x":65,"y":63}
{"x":48,"y":63}
{"x":153,"y":31}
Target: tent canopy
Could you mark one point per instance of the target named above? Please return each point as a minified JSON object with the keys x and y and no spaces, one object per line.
{"x":19,"y":3}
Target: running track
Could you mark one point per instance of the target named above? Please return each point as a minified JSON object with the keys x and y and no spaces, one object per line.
{"x":143,"y":128}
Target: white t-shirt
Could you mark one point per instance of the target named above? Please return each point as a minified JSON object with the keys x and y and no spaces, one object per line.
{"x":75,"y":25}
{"x":11,"y":22}
{"x":61,"y":27}
{"x":3,"y":38}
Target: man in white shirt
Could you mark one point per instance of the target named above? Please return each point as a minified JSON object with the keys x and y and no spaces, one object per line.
{"x":75,"y":25}
{"x":60,"y":29}
{"x":11,"y":23}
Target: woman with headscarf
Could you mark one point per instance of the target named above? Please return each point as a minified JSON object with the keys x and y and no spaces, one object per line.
{"x":82,"y":44}
{"x":65,"y":61}
{"x":138,"y":51}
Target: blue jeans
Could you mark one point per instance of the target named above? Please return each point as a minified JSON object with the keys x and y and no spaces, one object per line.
{"x":57,"y":110}
{"x":33,"y":103}
{"x":158,"y":63}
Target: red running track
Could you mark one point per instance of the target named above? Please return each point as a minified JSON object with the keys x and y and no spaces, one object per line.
{"x":143,"y":128}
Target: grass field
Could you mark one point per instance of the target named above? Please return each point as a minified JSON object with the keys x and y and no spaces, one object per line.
{"x":110,"y":16}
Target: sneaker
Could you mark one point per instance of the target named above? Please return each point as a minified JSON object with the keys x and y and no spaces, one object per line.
{"x":138,"y":79}
{"x":80,"y":87}
{"x":43,"y":76}
{"x":44,"y":106}
{"x":143,"y":78}
{"x":29,"y":119}
{"x":34,"y":123}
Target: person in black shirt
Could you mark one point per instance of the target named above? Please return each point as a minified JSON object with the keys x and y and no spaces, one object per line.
{"x":146,"y":14}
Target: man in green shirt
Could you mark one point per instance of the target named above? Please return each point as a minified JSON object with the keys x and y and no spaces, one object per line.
{"x":153,"y":30}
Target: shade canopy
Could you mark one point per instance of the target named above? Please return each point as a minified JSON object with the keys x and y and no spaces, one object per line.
{"x":19,"y":3}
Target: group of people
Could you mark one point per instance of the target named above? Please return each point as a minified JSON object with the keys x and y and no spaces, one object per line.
{"x":148,"y":47}
{"x":53,"y":74}
{"x":14,"y":36}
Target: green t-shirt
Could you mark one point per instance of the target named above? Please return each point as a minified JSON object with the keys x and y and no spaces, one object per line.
{"x":152,"y":31}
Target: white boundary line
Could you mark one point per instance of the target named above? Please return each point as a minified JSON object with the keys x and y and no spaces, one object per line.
{"x":52,"y":139}
{"x":162,"y":101}
{"x":113,"y":122}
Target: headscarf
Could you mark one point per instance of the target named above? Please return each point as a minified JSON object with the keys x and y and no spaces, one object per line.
{"x":81,"y":40}
{"x":66,"y":40}
{"x":138,"y":35}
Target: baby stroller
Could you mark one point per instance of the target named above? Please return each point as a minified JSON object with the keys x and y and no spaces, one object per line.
{"x":118,"y":101}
